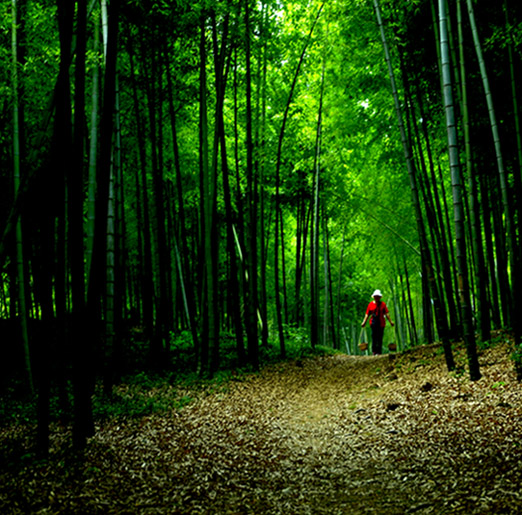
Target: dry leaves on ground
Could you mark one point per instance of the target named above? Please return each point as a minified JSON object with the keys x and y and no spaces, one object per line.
{"x":334,"y":434}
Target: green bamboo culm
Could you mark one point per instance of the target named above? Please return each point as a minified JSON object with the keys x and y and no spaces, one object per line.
{"x":22,"y":306}
{"x":514,"y":252}
{"x":442,"y":324}
{"x":458,"y":209}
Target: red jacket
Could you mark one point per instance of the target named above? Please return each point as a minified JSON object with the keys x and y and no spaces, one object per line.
{"x":377,"y":310}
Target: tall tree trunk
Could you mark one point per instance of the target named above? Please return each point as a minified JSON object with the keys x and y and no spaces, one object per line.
{"x":481,"y":303}
{"x":210,"y":330}
{"x":54,"y":317}
{"x":517,"y":182}
{"x":183,"y":263}
{"x":441,"y":251}
{"x":441,"y":242}
{"x":110,"y":282}
{"x":83,"y":423}
{"x":260,"y":170}
{"x":338,"y":318}
{"x":492,"y":260}
{"x":456,"y":181}
{"x":114,"y":281}
{"x":314,"y":246}
{"x":513,"y":248}
{"x":160,"y":334}
{"x":76,"y":335}
{"x":517,"y":176}
{"x":93,"y":152}
{"x":252,"y":299}
{"x":142,"y":199}
{"x":233,"y":293}
{"x":22,"y":305}
{"x":427,"y":267}
{"x":304,"y":209}
{"x":278,"y":214}
{"x":329,"y":317}
{"x":413,"y":328}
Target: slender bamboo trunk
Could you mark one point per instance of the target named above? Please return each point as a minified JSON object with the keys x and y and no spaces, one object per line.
{"x":110,"y":281}
{"x":300,"y":210}
{"x":339,"y":287}
{"x":113,"y":286}
{"x":456,"y":181}
{"x":329,"y":319}
{"x":160,"y":336}
{"x":314,"y":244}
{"x":415,"y":339}
{"x":210,"y":330}
{"x":233,"y":291}
{"x":188,"y":290}
{"x":428,"y":273}
{"x":482,"y":312}
{"x":515,"y":256}
{"x":54,"y":322}
{"x":84,"y":423}
{"x":443,"y":275}
{"x":261,"y":169}
{"x":251,"y":236}
{"x":517,"y":183}
{"x":22,"y":305}
{"x":278,"y":214}
{"x":121,"y":274}
{"x":326,"y":286}
{"x":73,"y":336}
{"x":442,"y":242}
{"x":497,"y":231}
{"x":284,"y":278}
{"x":93,"y":152}
{"x":516,"y":117}
{"x":142,"y":195}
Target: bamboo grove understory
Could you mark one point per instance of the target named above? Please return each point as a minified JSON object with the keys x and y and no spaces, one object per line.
{"x":222,"y":177}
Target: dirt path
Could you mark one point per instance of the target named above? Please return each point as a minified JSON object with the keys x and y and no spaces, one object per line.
{"x":345,"y":435}
{"x":329,"y":435}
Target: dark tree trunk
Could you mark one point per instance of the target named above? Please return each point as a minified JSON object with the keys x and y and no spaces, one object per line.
{"x":83,"y":414}
{"x":184,"y":258}
{"x":233,"y":292}
{"x":160,"y":333}
{"x":252,"y":299}
{"x":76,"y":339}
{"x":456,"y":181}
{"x":427,"y":266}
{"x":142,"y":199}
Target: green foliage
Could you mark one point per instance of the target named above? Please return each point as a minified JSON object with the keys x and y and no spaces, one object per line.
{"x":140,"y":395}
{"x":16,"y":407}
{"x":5,"y":50}
{"x":182,"y":351}
{"x":297,"y":345}
{"x":498,"y":384}
{"x":498,"y":338}
{"x":516,"y":356}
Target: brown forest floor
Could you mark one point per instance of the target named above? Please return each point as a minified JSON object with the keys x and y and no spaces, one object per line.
{"x":333,"y":435}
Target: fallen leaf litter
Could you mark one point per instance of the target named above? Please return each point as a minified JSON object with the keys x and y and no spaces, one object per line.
{"x":335,"y":434}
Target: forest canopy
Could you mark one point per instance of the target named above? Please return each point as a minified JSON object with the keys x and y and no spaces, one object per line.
{"x":221,"y":178}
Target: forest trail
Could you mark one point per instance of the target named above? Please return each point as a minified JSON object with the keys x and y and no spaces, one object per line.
{"x":335,"y":434}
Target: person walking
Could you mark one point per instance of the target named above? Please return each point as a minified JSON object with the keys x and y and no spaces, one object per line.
{"x":377,"y":312}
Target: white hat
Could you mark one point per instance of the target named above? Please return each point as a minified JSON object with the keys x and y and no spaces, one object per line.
{"x":377,"y":293}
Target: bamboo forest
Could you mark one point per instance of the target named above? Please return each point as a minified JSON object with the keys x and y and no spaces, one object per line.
{"x":199,"y":201}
